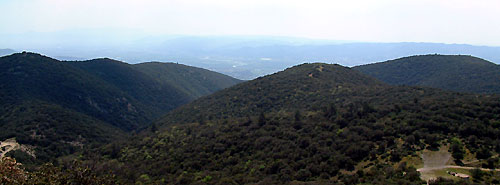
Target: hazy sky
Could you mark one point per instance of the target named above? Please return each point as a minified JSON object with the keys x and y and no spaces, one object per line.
{"x":448,"y":21}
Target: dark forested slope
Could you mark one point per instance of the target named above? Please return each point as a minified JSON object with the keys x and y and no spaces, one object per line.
{"x":451,"y":72}
{"x":301,"y":87}
{"x":59,"y":107}
{"x":155,"y":98}
{"x":315,"y":123}
{"x":194,"y":81}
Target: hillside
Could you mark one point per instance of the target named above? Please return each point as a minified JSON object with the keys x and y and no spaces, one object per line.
{"x":60,"y":107}
{"x":312,"y":123}
{"x":194,"y":81}
{"x":153,"y":98}
{"x":451,"y":72}
{"x":301,"y":87}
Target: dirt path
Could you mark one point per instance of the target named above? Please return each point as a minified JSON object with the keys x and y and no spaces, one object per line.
{"x":7,"y":146}
{"x":456,"y":167}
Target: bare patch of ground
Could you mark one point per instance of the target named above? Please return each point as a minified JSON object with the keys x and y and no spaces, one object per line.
{"x":11,"y":144}
{"x":436,"y":163}
{"x":434,"y":160}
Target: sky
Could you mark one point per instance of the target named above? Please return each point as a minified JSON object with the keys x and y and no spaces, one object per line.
{"x":441,"y":21}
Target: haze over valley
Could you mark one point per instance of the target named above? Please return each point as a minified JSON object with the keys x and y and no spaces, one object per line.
{"x":242,"y":57}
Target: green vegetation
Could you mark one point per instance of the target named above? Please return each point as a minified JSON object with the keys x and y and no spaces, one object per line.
{"x":314,"y":123}
{"x":12,"y":172}
{"x":194,"y":81}
{"x":55,"y":131}
{"x":62,"y":107}
{"x":310,"y":124}
{"x":457,"y":150}
{"x":451,"y":72}
{"x":152,"y":98}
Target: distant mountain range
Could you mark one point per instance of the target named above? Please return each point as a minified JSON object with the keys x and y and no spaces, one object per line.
{"x":243,"y":57}
{"x":60,"y":106}
{"x":451,"y":72}
{"x":6,"y":52}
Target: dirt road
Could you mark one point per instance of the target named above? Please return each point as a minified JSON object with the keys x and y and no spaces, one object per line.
{"x":424,"y":169}
{"x":7,"y":146}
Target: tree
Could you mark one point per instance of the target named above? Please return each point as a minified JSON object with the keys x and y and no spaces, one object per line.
{"x":330,"y":112}
{"x":483,"y":153}
{"x":248,"y":122}
{"x":262,"y":119}
{"x":477,"y":174}
{"x":410,"y":140}
{"x":457,"y":150}
{"x":154,"y":128}
{"x":297,"y":116}
{"x":490,"y":163}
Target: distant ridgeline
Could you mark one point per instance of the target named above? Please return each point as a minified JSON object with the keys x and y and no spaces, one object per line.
{"x":451,"y":72}
{"x":6,"y":52}
{"x":314,"y":123}
{"x":61,"y":106}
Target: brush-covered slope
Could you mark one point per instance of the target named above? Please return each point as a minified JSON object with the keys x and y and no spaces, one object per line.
{"x":155,"y":98}
{"x":313,"y":123}
{"x":59,"y":107}
{"x":51,"y":131}
{"x":301,"y":87}
{"x":451,"y":72}
{"x":194,"y":81}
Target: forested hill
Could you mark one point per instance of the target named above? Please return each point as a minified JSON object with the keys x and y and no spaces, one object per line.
{"x":315,"y":123}
{"x":59,"y":106}
{"x":451,"y":72}
{"x":153,"y":98}
{"x":194,"y":81}
{"x":300,"y":87}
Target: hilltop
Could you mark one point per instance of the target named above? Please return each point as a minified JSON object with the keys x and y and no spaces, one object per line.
{"x":451,"y":72}
{"x":300,"y":87}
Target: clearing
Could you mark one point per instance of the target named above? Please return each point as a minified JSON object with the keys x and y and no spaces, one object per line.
{"x":11,"y":144}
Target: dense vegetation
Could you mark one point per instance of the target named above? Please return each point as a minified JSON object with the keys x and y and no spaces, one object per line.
{"x":310,"y":124}
{"x":314,"y":123}
{"x":194,"y":81}
{"x":60,"y":107}
{"x":12,"y":172}
{"x":451,"y":72}
{"x":153,"y":98}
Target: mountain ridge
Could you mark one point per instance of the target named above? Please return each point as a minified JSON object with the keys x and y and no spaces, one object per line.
{"x":460,"y":73}
{"x":61,"y":106}
{"x":6,"y":51}
{"x":305,"y":77}
{"x":197,"y":81}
